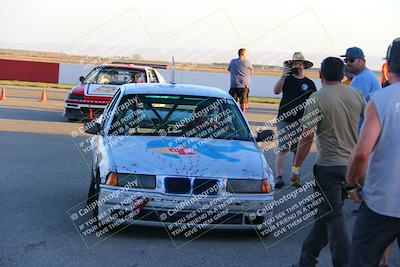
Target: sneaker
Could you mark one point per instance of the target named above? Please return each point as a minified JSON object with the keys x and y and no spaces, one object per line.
{"x":279,"y":183}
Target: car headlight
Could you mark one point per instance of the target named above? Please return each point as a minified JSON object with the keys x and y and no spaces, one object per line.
{"x":112,"y":179}
{"x":131,"y":180}
{"x":248,"y":186}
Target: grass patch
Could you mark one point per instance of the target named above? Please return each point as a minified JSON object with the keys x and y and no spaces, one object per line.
{"x":69,"y":86}
{"x":265,"y":100}
{"x":36,"y":84}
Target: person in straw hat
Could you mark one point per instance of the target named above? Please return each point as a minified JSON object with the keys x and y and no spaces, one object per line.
{"x":295,"y":89}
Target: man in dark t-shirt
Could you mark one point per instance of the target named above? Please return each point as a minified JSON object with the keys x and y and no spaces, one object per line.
{"x":295,"y":89}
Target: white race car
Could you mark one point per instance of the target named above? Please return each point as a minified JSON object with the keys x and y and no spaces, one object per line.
{"x":178,"y":155}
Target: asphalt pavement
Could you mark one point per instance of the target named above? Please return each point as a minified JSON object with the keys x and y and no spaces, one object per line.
{"x":43,"y":174}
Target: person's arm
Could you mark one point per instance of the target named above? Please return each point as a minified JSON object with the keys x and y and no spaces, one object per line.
{"x":375,"y":86}
{"x":279,"y":85}
{"x":310,"y":127}
{"x":313,"y":87}
{"x":359,"y":159}
{"x":303,"y":149}
{"x":304,"y":146}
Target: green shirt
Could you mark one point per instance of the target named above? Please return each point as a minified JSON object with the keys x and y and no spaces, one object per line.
{"x":334,"y":115}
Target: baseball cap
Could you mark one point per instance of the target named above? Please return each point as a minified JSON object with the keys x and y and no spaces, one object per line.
{"x":353,"y":52}
{"x":393,"y":51}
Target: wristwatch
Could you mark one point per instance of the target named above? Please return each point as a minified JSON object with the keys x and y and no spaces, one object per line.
{"x":350,"y":189}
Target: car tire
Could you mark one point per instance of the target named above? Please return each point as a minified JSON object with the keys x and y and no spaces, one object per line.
{"x":93,"y":194}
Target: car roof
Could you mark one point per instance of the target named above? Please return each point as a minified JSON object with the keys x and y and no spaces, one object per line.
{"x":173,"y":89}
{"x":125,"y":66}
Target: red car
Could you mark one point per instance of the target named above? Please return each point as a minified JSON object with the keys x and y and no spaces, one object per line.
{"x":91,"y":96}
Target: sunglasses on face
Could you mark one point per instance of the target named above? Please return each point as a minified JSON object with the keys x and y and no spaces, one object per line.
{"x":349,"y":60}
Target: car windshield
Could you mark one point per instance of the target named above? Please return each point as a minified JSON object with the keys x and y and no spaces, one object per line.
{"x":181,"y":116}
{"x":117,"y":76}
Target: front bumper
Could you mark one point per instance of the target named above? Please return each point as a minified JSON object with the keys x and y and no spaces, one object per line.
{"x":77,"y":111}
{"x":172,"y":210}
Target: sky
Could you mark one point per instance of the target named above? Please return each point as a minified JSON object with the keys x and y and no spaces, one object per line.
{"x":208,"y":31}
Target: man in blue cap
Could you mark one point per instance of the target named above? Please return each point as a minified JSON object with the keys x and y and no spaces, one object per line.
{"x":365,"y":80}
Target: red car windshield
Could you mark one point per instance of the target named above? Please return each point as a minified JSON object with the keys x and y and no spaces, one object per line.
{"x":116,"y":76}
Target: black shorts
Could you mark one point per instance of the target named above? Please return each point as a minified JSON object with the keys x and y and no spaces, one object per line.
{"x":241,"y":95}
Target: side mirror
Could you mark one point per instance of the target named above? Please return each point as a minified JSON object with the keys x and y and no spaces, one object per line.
{"x":265,"y":136}
{"x":81,"y":79}
{"x":92,"y":127}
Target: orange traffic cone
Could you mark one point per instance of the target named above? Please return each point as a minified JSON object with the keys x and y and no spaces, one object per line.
{"x":91,"y":114}
{"x":3,"y":94}
{"x":44,"y":97}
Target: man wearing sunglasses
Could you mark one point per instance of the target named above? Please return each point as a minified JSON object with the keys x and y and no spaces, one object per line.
{"x":365,"y":80}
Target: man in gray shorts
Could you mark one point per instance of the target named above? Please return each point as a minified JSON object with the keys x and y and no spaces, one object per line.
{"x":240,"y":69}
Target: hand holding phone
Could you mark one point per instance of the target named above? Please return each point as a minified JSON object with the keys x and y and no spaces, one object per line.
{"x":294,"y":71}
{"x":286,"y":71}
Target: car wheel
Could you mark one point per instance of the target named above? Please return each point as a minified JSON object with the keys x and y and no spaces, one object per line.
{"x":93,"y":194}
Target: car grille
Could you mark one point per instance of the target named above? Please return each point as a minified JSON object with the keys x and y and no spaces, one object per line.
{"x":205,"y":185}
{"x":176,"y":185}
{"x":182,"y":185}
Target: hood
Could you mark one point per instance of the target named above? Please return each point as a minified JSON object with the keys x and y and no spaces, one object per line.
{"x":192,"y":157}
{"x":93,"y":89}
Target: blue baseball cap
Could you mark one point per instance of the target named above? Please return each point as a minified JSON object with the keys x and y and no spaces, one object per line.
{"x":354,"y":52}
